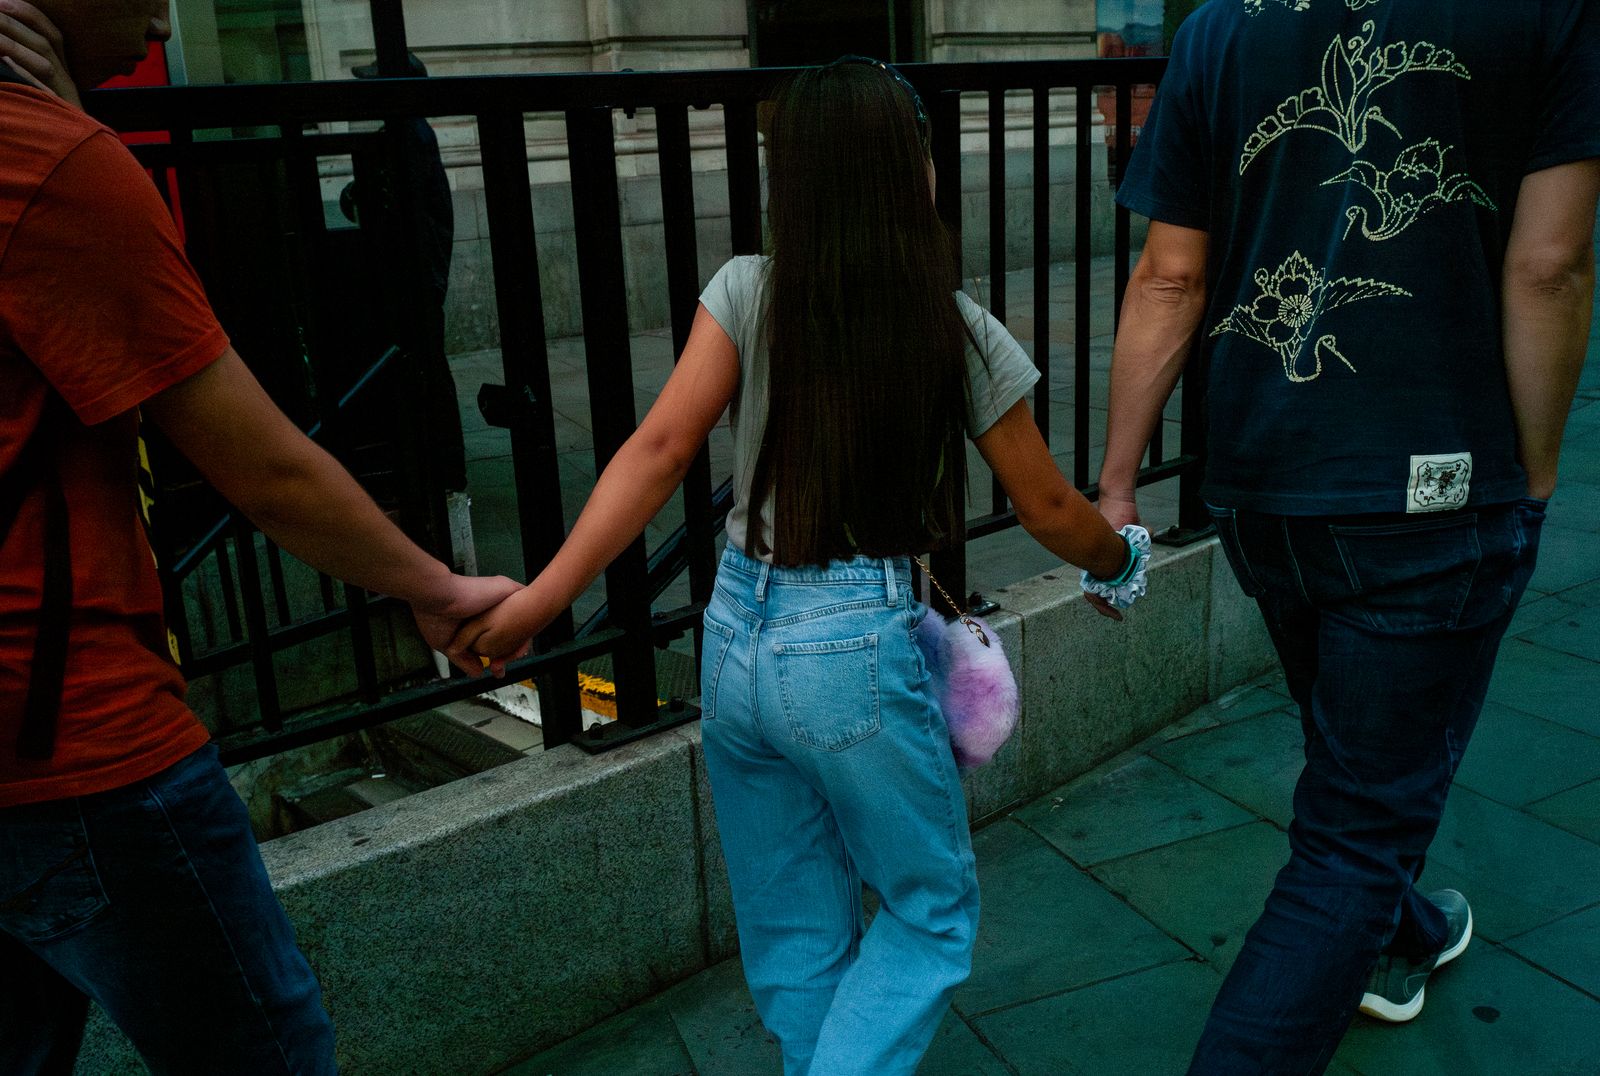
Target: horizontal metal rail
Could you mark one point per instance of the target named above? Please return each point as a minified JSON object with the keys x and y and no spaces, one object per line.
{"x":1015,"y":96}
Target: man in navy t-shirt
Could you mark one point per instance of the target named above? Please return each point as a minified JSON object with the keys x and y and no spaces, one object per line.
{"x":1371,"y":222}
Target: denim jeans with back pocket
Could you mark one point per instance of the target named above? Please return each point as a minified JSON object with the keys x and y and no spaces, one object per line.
{"x":1387,"y":627}
{"x":830,"y":765}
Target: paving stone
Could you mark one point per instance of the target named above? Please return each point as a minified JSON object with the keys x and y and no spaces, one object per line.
{"x":1555,"y":686}
{"x":1206,"y":891}
{"x":1136,"y":1025}
{"x":1576,"y":810}
{"x":1568,"y":948}
{"x":717,"y":1021}
{"x":1576,"y":505}
{"x":1138,"y":805}
{"x":1538,"y":610}
{"x":957,"y":1051}
{"x":1254,"y":763}
{"x":1566,"y":559}
{"x":1517,"y":758}
{"x":639,"y":1042}
{"x":1246,"y":701}
{"x":1586,"y":595}
{"x":1487,"y":1012}
{"x":1577,"y":634}
{"x":1519,"y":872}
{"x":1046,"y":927}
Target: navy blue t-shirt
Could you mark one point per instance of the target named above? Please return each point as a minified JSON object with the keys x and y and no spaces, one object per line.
{"x":1356,"y":163}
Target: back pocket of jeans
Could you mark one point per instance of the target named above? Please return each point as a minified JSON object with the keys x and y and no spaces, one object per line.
{"x":713,"y":652}
{"x":1411,"y":577}
{"x":830,"y":690}
{"x":48,"y":883}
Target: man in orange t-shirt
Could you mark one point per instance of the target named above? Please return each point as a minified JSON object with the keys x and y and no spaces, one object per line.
{"x":128,"y":873}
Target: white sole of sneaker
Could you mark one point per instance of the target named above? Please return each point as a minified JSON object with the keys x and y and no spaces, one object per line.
{"x":1381,"y":1008}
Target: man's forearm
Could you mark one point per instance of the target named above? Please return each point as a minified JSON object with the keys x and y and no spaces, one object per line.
{"x":321,"y":515}
{"x":1546,"y":332}
{"x":1159,"y":321}
{"x":294,"y":491}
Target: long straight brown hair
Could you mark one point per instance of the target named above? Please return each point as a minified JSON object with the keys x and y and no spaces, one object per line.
{"x":864,"y":449}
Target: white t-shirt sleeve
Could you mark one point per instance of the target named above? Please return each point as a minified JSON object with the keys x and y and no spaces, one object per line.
{"x":999,"y":372}
{"x":730,"y":299}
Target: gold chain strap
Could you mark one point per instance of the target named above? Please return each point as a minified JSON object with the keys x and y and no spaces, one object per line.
{"x":972,"y":625}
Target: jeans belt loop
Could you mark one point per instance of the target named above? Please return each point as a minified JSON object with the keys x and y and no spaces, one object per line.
{"x":890,"y":595}
{"x":761,"y":581}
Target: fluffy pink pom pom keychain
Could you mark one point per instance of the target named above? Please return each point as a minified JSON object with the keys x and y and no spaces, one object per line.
{"x":972,"y":681}
{"x":974,"y":685}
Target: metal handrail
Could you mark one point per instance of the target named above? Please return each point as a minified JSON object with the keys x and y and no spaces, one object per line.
{"x":498,"y":105}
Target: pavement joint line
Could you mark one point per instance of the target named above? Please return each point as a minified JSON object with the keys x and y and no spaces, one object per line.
{"x":1173,"y":844}
{"x":1121,"y":898}
{"x":1505,"y":947}
{"x":994,"y":1051}
{"x":1196,"y":959}
{"x":1527,"y":808}
{"x":1569,"y":915}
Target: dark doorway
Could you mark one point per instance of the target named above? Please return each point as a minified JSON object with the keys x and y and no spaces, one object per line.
{"x":792,"y":33}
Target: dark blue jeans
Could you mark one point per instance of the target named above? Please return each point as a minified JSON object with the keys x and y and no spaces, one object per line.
{"x":152,"y":900}
{"x":1387,"y":627}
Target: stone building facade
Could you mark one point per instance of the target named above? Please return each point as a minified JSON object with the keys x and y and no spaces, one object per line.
{"x":271,"y":40}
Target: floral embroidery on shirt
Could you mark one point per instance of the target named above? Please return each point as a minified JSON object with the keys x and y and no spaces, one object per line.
{"x":1256,"y":7}
{"x":1292,"y":299}
{"x":1353,"y":70}
{"x":1417,"y":183}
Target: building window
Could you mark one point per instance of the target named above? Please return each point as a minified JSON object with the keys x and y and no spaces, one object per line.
{"x":793,"y":33}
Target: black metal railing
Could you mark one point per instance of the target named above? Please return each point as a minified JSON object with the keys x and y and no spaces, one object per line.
{"x":626,"y":629}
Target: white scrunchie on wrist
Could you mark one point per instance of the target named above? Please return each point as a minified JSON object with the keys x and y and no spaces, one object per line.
{"x":1136,"y":582}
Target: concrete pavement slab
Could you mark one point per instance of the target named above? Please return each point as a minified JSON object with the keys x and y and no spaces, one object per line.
{"x":1046,"y":927}
{"x":1141,"y":804}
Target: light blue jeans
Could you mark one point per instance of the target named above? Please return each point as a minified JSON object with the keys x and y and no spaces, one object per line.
{"x":830,"y":765}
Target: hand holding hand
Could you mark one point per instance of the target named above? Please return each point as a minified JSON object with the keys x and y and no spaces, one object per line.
{"x":1133,"y":582}
{"x":467,"y":597}
{"x":31,"y":46}
{"x":503,"y":633}
{"x":1118,"y":508}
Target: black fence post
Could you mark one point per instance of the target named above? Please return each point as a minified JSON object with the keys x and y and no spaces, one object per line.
{"x":530,"y":413}
{"x":603,"y":295}
{"x":950,"y":564}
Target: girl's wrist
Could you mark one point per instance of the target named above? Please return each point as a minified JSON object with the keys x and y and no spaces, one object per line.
{"x":1117,"y":563}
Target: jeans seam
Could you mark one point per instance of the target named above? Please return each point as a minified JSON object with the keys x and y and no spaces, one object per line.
{"x":227,"y":937}
{"x":1294,"y":561}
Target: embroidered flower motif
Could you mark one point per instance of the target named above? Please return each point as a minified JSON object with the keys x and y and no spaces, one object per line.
{"x":1256,"y":7}
{"x":1417,"y":183}
{"x":1292,"y":299}
{"x":1353,"y":70}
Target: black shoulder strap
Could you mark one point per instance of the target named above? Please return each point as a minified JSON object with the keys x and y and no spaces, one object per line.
{"x":36,"y":467}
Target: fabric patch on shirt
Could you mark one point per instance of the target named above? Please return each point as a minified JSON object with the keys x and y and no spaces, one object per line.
{"x":1439,"y":483}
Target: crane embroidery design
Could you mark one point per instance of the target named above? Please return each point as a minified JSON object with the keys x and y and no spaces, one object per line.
{"x":1292,"y":299}
{"x":1416,"y":184}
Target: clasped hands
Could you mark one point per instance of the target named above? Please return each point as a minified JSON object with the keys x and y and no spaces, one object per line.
{"x":491,"y":619}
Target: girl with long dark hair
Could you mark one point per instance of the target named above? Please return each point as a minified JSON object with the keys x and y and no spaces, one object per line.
{"x":853,"y":375}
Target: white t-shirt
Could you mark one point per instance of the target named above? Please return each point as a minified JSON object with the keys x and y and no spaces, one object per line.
{"x":998,"y":371}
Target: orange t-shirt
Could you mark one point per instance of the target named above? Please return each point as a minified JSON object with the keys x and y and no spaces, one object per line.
{"x":98,"y":303}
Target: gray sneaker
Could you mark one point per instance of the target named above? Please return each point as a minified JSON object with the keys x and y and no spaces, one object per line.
{"x":1396,"y":990}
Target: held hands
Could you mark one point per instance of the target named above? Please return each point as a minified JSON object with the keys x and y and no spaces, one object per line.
{"x":1121,"y":511}
{"x":31,"y":46}
{"x":503,"y":633}
{"x":466,"y":597}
